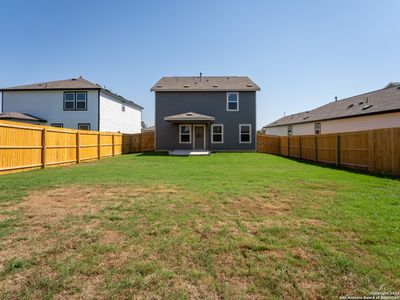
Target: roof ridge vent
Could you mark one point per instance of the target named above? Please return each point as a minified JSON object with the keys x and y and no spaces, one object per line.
{"x":366,"y":106}
{"x":189,"y":114}
{"x":73,"y":79}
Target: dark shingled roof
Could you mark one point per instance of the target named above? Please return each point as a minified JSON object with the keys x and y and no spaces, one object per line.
{"x":376,"y":102}
{"x":67,"y":84}
{"x":205,"y":83}
{"x":79,"y":83}
{"x":189,"y":116}
{"x":19,"y":116}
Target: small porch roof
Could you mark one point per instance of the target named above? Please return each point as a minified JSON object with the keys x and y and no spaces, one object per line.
{"x":189,"y":117}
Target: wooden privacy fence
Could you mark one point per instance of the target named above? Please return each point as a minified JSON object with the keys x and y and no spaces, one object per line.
{"x":27,"y":146}
{"x":376,"y":151}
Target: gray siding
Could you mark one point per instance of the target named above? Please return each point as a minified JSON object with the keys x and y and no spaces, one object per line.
{"x":207,"y":103}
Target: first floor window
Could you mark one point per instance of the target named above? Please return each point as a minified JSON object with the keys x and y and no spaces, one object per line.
{"x":245,"y":133}
{"x":217,"y":131}
{"x":84,"y":126}
{"x":232,"y":101}
{"x":185,"y":133}
{"x":69,"y":101}
{"x":290,"y":130}
{"x":317,"y":128}
{"x":60,"y":125}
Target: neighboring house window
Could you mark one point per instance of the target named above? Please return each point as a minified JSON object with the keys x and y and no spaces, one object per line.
{"x":84,"y":126}
{"x":60,"y":125}
{"x":69,"y":101}
{"x":245,"y":133}
{"x":217,"y":136}
{"x":81,"y":101}
{"x":185,"y":134}
{"x":75,"y":100}
{"x":123,"y":106}
{"x":317,"y":128}
{"x":290,"y":130}
{"x":232,"y":101}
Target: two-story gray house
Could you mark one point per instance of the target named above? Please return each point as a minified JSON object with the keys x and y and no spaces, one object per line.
{"x":205,"y":113}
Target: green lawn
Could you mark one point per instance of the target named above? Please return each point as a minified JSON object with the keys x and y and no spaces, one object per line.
{"x":230,"y":225}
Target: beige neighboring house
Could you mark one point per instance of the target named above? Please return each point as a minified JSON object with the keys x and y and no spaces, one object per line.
{"x":373,"y":110}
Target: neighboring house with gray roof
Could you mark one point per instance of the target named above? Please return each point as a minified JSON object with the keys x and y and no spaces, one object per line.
{"x":20,"y":117}
{"x":205,"y":113}
{"x":73,"y":103}
{"x":373,"y":110}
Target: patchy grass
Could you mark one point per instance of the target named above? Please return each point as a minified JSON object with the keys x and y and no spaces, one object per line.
{"x":225,"y":226}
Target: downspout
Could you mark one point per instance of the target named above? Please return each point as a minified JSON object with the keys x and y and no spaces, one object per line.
{"x":98,"y":110}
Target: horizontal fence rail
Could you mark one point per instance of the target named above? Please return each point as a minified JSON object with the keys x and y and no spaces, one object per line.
{"x":27,"y":146}
{"x":376,"y":151}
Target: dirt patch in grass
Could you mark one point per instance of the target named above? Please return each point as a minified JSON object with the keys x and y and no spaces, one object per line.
{"x":259,"y":206}
{"x":50,"y":206}
{"x":61,"y":223}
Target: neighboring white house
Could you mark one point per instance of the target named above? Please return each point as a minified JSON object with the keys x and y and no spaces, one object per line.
{"x":74,"y":103}
{"x":373,"y":110}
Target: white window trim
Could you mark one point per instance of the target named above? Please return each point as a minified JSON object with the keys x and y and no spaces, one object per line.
{"x":190,"y":134}
{"x":227,"y":101}
{"x":212,"y":134}
{"x":240,"y":133}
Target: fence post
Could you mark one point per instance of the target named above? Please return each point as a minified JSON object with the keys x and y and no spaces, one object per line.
{"x":371,"y":164}
{"x":99,"y":146}
{"x":300,"y":156}
{"x":78,"y":147}
{"x":338,"y":150}
{"x":315,"y":149}
{"x":288,"y":146}
{"x":113,"y":144}
{"x":130,"y":143}
{"x":393,"y":151}
{"x":141,"y":143}
{"x":44,"y":147}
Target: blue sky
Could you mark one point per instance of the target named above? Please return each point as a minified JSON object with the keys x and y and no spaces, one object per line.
{"x":301,"y":53}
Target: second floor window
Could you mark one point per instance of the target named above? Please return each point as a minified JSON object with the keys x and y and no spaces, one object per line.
{"x":81,"y":100}
{"x":75,"y":100}
{"x":69,"y":101}
{"x":232,"y":101}
{"x":290,"y":130}
{"x":123,"y":106}
{"x":317,"y":128}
